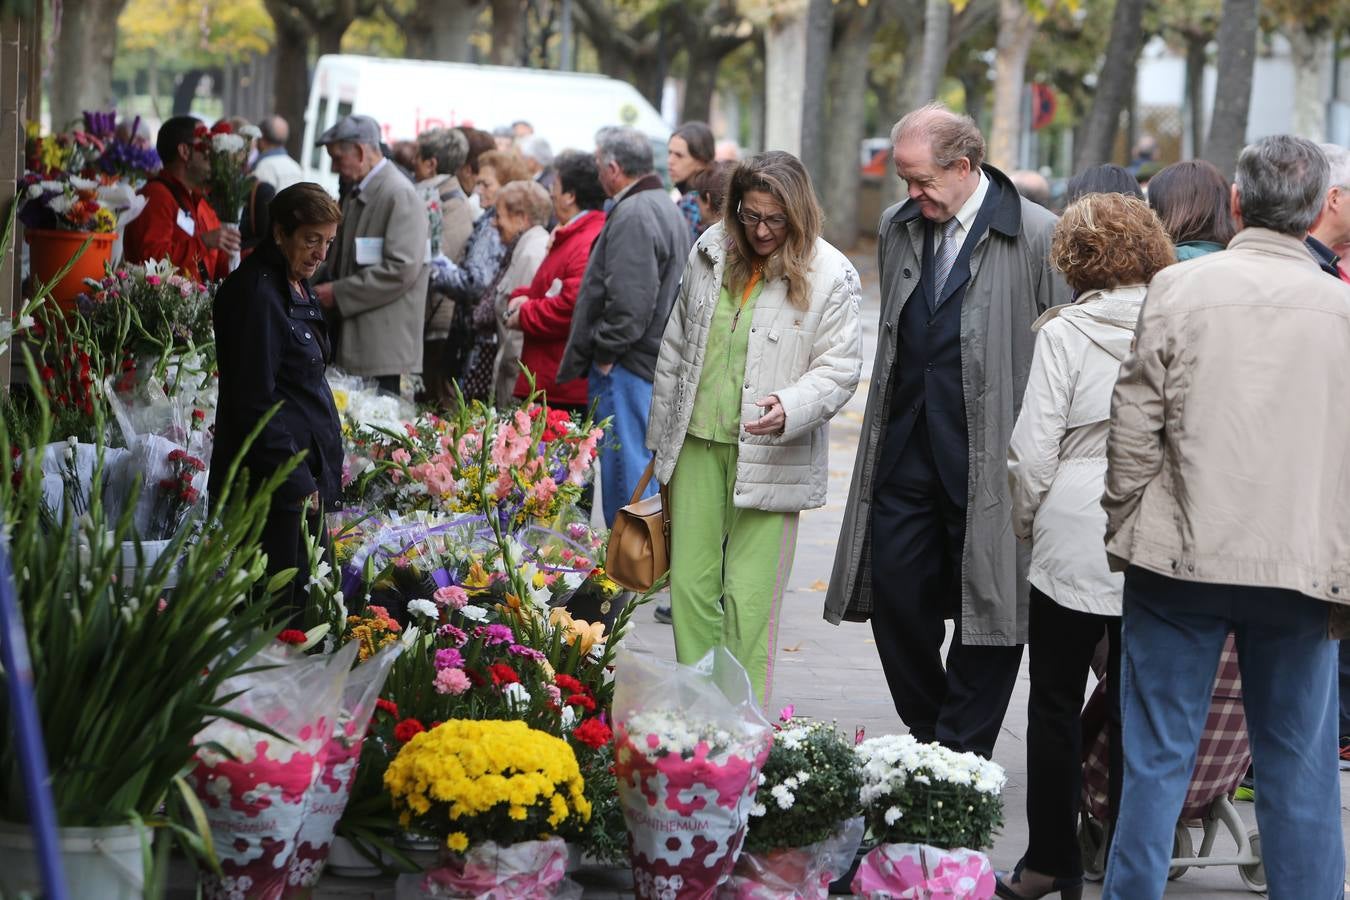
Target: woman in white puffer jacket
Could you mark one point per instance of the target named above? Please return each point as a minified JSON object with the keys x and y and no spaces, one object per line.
{"x":762,"y":348}
{"x":1108,"y":246}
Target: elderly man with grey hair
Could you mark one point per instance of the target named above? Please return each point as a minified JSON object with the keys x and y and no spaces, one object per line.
{"x":927,"y":533}
{"x":1228,"y":509}
{"x":375,"y":278}
{"x":623,"y":303}
{"x":1330,"y":234}
{"x":274,"y":165}
{"x":538,"y":157}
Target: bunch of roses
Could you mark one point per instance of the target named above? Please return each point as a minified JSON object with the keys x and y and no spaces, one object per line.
{"x":467,"y":782}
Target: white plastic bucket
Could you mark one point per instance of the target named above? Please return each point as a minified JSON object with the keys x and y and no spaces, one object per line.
{"x":149,"y":554}
{"x":98,"y":863}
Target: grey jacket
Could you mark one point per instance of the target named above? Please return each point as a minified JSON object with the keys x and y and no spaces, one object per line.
{"x":629,"y":286}
{"x":1011,"y":284}
{"x":382,"y":302}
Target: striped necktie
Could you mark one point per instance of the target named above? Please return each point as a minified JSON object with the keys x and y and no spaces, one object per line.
{"x":945,"y":255}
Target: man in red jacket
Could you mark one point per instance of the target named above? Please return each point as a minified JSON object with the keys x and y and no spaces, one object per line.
{"x":543,"y":310}
{"x":177,"y":223}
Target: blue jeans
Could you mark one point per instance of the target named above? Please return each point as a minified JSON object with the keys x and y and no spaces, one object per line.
{"x":623,"y":457}
{"x":1172,"y":635}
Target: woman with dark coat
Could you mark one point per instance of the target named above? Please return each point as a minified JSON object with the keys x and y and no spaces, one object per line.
{"x":272,"y":347}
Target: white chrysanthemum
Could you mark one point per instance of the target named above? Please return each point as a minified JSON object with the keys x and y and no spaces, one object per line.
{"x":893,"y":815}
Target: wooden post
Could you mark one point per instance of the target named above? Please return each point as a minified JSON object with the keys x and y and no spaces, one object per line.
{"x":13,"y":69}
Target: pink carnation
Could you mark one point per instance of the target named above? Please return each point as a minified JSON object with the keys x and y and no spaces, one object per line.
{"x":453,"y":596}
{"x":451,"y":681}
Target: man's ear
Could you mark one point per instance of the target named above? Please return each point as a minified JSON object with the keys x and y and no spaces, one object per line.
{"x":1235,"y":206}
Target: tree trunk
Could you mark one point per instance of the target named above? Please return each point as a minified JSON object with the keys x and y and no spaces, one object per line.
{"x":847,"y":121}
{"x":329,"y":35}
{"x":1016,"y":29}
{"x":977,"y":94}
{"x":1196,"y":58}
{"x":290,"y":81}
{"x":152,"y":82}
{"x":937,"y":21}
{"x":819,"y":31}
{"x":1308,"y":52}
{"x":700,"y":80}
{"x":909,"y":90}
{"x":185,"y":90}
{"x":440,"y":29}
{"x":785,"y":78}
{"x":1115,"y":84}
{"x":1232,"y":97}
{"x":507,"y":32}
{"x":85,"y":49}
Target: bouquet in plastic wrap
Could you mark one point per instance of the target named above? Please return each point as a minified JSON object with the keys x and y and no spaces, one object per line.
{"x":338,"y":760}
{"x":933,"y":810}
{"x":496,"y":794}
{"x":169,"y":442}
{"x":806,"y":823}
{"x":253,"y":786}
{"x":689,"y":747}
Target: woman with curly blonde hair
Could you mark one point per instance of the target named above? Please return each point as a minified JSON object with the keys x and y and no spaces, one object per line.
{"x":1108,"y":246}
{"x":762,"y":348}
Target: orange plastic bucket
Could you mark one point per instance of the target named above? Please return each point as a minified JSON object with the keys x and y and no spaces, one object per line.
{"x":50,"y":249}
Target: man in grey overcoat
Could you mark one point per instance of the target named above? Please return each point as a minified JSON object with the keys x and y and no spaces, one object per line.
{"x":375,"y":278}
{"x":927,"y":535}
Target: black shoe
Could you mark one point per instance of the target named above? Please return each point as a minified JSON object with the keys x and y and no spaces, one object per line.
{"x":1005,"y":886}
{"x":664,"y":616}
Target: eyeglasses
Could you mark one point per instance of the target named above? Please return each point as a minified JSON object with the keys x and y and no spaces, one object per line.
{"x":752,"y":221}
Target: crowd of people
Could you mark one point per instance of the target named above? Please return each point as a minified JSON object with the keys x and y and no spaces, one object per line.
{"x":1107,"y":436}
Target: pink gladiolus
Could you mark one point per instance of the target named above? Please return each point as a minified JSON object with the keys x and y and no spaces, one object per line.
{"x":401,"y":456}
{"x":545,"y":489}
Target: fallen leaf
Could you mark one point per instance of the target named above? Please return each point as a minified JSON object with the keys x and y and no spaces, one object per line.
{"x":796,"y":648}
{"x":818,"y":585}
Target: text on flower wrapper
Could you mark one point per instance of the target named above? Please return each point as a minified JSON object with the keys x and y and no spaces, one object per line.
{"x":656,"y":823}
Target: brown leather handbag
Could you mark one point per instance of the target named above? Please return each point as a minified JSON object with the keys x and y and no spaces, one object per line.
{"x":639,"y":543}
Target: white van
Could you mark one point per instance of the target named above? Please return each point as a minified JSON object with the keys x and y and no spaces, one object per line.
{"x":409,"y":96}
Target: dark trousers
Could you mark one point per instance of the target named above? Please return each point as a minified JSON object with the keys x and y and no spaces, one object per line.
{"x":283,"y":540}
{"x":390,"y":383}
{"x":918,"y":532}
{"x":1345,"y":689}
{"x":1062,"y":645}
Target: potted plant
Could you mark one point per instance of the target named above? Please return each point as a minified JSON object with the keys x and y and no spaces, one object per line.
{"x":495,"y":794}
{"x":806,"y":823}
{"x":70,"y":233}
{"x":931,"y":810}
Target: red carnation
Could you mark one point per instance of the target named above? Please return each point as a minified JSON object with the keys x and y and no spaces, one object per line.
{"x":199,"y":414}
{"x":221,"y":127}
{"x":503,"y":674}
{"x":570,"y":684}
{"x":292,"y":636}
{"x":593,"y":733}
{"x":388,"y":706}
{"x":407,"y":729}
{"x":583,"y":701}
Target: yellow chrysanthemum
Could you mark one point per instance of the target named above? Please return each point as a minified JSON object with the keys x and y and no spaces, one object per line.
{"x":444,"y":780}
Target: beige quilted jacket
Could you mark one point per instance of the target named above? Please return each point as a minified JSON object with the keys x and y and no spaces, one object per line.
{"x":810,"y":358}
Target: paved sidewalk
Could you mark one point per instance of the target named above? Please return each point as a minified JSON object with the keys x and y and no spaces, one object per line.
{"x":833,"y":672}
